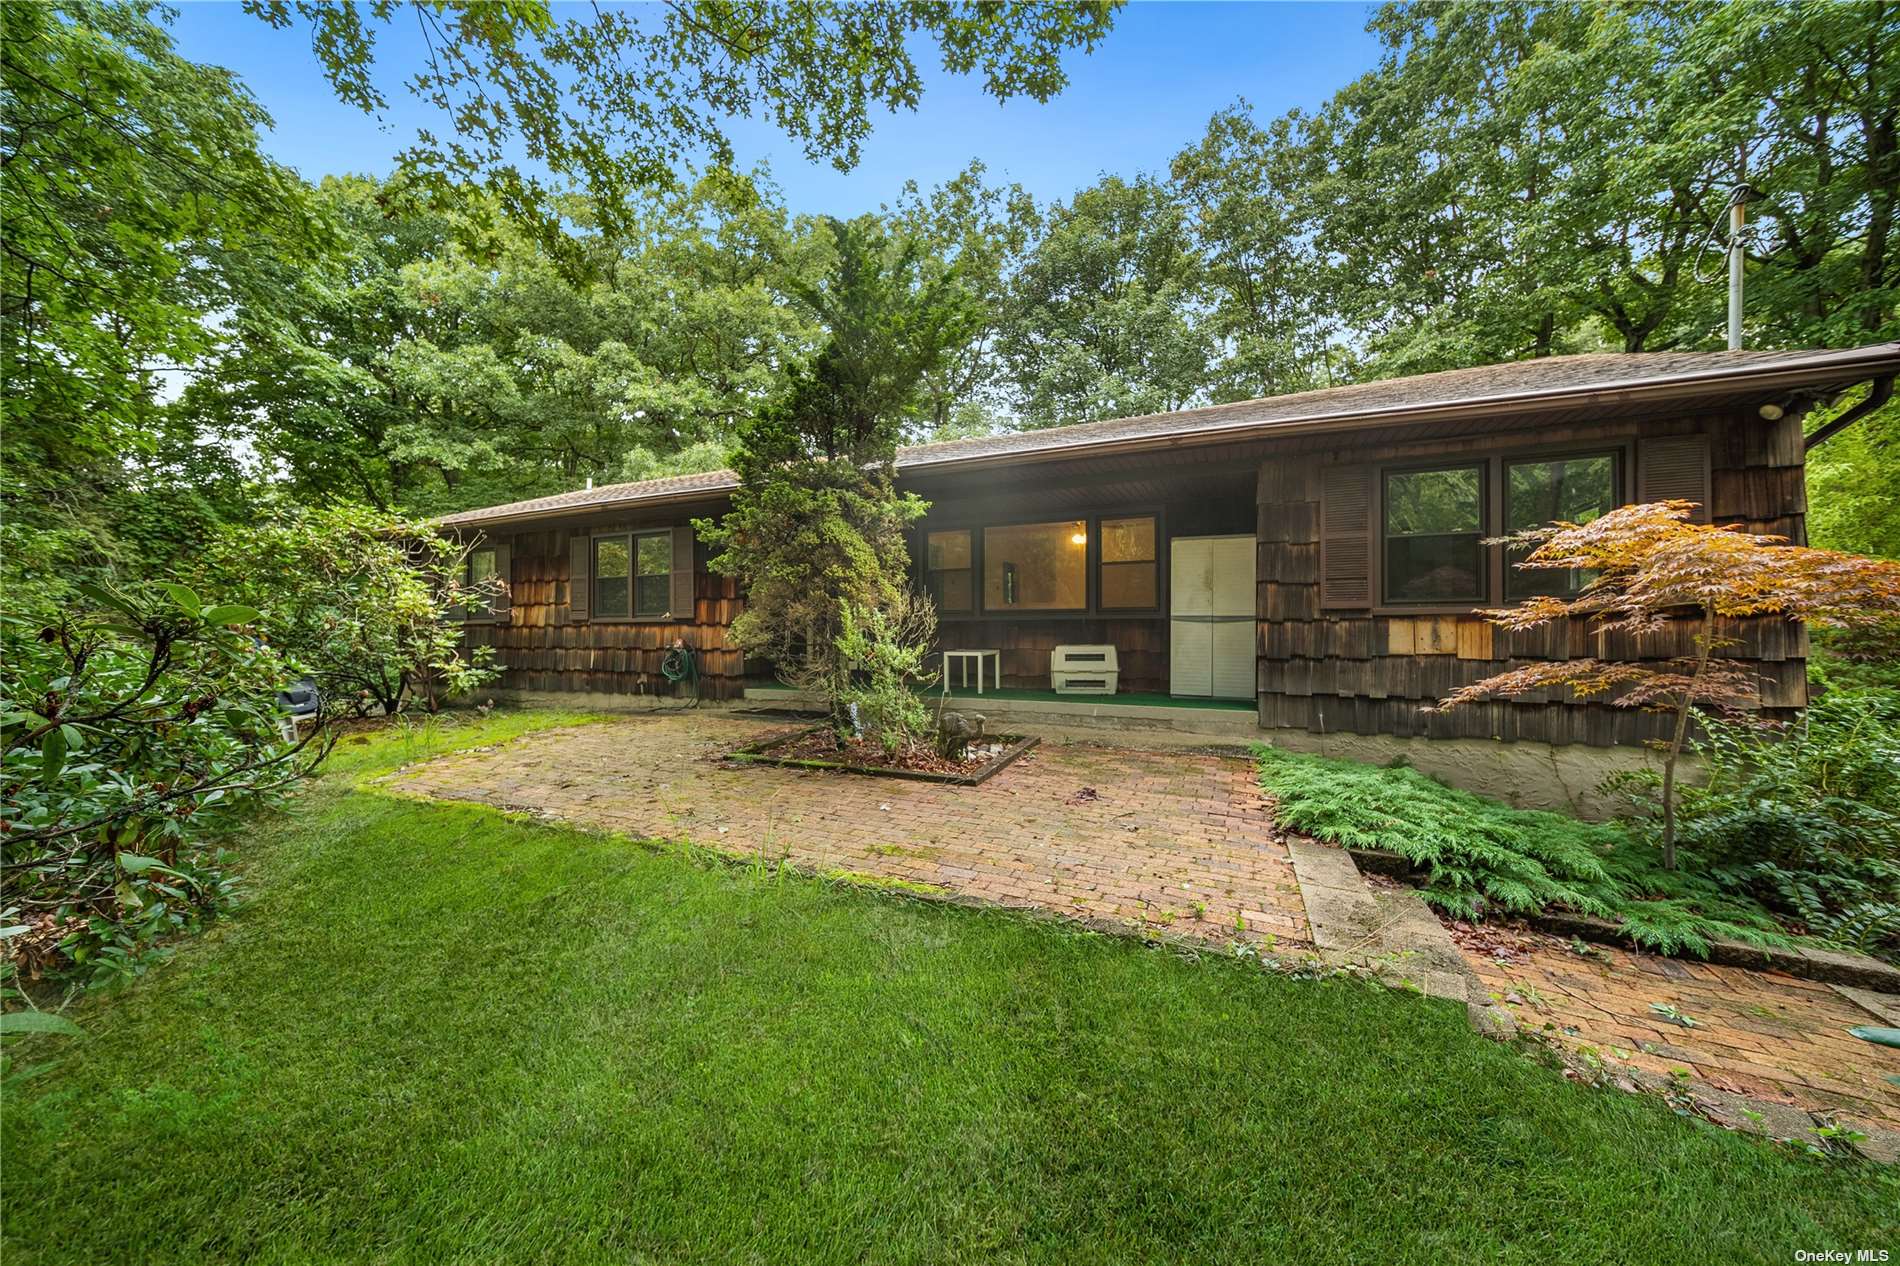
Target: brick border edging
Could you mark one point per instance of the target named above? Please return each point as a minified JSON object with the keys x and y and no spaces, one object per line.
{"x":758,"y":753}
{"x":1828,"y":967}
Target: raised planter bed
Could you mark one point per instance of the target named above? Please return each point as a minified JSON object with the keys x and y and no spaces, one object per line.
{"x":804,"y":749}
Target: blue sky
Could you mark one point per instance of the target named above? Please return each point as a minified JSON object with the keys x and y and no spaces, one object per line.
{"x":1139,"y":98}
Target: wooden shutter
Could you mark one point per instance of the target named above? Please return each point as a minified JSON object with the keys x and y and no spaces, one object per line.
{"x":1345,"y":537}
{"x":503,"y":603}
{"x":579,"y":575}
{"x":682,"y":594}
{"x":1674,"y":468}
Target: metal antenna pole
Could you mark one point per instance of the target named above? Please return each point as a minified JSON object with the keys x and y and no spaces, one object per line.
{"x":1737,"y":217}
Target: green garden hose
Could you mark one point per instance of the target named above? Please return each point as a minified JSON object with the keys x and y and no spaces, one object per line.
{"x":680,"y":664}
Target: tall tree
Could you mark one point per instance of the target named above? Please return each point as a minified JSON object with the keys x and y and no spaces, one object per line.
{"x":1241,"y":186}
{"x":412,"y":372}
{"x":137,"y":208}
{"x":816,"y":529}
{"x":1103,"y":314}
{"x":1806,"y":98}
{"x":617,"y":100}
{"x":983,"y":232}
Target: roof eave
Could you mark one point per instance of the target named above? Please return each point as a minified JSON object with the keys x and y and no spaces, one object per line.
{"x":475,"y":518}
{"x":1841,"y":368}
{"x":1825,"y":369}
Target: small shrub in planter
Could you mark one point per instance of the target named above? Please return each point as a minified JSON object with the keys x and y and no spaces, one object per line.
{"x":888,"y":649}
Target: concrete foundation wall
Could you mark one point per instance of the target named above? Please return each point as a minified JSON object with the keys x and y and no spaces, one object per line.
{"x":1524,"y":775}
{"x":592,"y":701}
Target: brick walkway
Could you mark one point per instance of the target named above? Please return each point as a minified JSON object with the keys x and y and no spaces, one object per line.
{"x":1167,"y":839}
{"x":1762,"y":1034}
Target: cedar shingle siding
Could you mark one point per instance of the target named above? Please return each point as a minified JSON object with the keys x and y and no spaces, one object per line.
{"x":1304,"y":472}
{"x":546,"y":645}
{"x":1376,"y":670}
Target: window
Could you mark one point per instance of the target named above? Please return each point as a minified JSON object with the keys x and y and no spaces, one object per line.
{"x":948,"y":578}
{"x":633,"y":575}
{"x":653,"y":574}
{"x":1575,"y":489}
{"x":1434,"y":535}
{"x":1130,"y":579}
{"x":1036,"y":567}
{"x":482,"y":567}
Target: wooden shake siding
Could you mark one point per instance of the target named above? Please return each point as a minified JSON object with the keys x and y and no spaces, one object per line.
{"x":541,"y":647}
{"x":1331,"y":671}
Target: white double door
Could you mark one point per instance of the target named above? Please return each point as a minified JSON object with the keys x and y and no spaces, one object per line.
{"x":1211,"y":616}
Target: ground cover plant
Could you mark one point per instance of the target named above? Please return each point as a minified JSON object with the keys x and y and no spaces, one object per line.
{"x":1477,"y":856}
{"x":1804,"y":817}
{"x":553,"y":1046}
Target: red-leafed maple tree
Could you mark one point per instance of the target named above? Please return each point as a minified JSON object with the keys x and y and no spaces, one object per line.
{"x":1650,"y":564}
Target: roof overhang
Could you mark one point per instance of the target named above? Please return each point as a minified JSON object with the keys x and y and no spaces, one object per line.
{"x":1821,"y":371}
{"x":1829,"y":370}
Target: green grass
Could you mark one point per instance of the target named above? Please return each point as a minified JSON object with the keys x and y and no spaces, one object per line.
{"x":441,"y":1035}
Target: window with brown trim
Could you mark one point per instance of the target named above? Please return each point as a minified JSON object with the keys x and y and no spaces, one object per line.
{"x":1411,"y":536}
{"x":1574,"y":488}
{"x":481,"y":565}
{"x":949,"y":572}
{"x":633,"y":575}
{"x":1130,"y":570}
{"x":1036,"y":567}
{"x":1433,"y":534}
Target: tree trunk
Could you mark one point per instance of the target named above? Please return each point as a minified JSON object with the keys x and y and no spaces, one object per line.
{"x":1682,"y":731}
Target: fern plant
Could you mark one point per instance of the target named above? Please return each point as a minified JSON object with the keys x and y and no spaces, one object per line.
{"x":1478,"y":857}
{"x":1801,"y":819}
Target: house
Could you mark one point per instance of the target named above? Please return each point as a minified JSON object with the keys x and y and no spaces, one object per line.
{"x":1362,"y":510}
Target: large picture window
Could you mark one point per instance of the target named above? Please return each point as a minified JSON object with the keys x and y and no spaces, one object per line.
{"x":1574,"y":489}
{"x":949,"y":578}
{"x":1036,"y":567}
{"x":1131,"y":579}
{"x":1434,"y":535}
{"x":633,"y":575}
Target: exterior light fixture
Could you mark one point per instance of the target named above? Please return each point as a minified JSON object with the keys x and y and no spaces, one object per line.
{"x":1079,"y":538}
{"x":1771,"y":412}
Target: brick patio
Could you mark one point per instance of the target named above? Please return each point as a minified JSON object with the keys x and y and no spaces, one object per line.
{"x":1763,"y":1034}
{"x":1156,"y":840}
{"x":1138,"y":838}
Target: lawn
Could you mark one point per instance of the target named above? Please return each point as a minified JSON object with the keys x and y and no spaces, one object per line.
{"x":437,"y":1035}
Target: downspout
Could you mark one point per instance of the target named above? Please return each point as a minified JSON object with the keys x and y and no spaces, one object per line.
{"x":1882,"y":392}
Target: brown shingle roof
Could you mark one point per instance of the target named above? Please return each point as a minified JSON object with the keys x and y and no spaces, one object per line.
{"x":1603,"y":377}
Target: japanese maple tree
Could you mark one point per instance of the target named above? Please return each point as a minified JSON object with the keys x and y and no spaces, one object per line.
{"x":1650,"y":564}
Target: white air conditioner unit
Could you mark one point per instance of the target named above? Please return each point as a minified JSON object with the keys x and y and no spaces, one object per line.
{"x":1084,"y":670}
